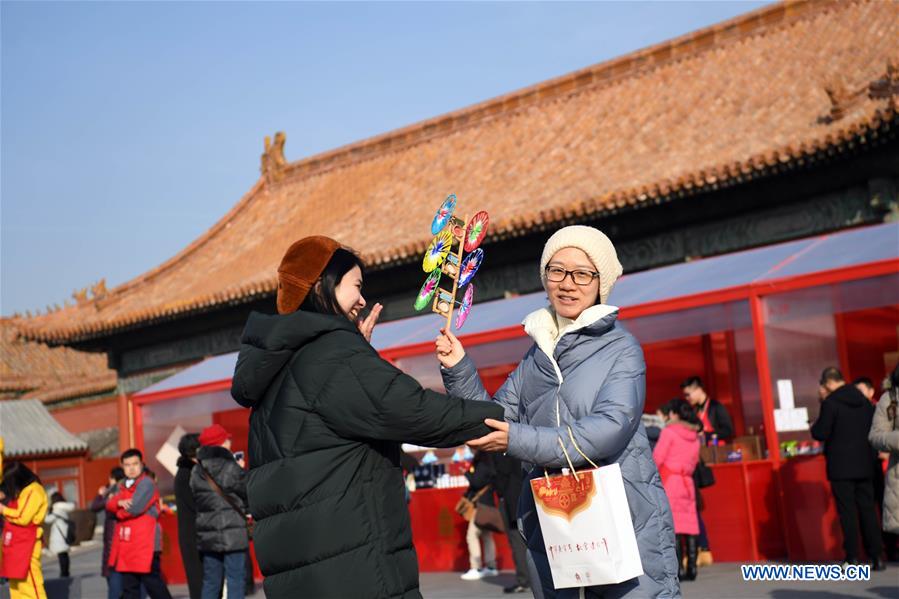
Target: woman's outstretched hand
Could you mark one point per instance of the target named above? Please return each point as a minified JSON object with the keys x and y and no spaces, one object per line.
{"x":449,"y":351}
{"x":367,"y":325}
{"x":498,"y":440}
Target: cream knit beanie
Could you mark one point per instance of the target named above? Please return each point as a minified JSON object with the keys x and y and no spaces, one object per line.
{"x":592,"y":242}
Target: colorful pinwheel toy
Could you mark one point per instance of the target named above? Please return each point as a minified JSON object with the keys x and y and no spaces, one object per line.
{"x":446,"y":259}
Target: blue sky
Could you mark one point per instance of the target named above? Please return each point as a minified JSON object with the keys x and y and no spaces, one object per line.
{"x":127,"y":129}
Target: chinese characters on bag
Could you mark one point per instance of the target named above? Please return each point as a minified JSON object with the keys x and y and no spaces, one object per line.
{"x":587,"y":546}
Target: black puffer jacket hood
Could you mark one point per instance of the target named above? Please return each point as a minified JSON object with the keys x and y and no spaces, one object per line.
{"x":843,"y":423}
{"x":269,"y":341}
{"x":852,"y":400}
{"x":325,"y":484}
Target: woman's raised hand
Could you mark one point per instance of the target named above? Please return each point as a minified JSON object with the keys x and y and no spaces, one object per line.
{"x":367,"y":325}
{"x":449,"y":351}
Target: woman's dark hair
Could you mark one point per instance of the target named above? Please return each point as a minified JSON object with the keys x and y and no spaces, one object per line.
{"x":56,"y":497}
{"x":684,"y":410}
{"x":17,"y":476}
{"x":117,"y":474}
{"x":187,"y":447}
{"x":665,"y":408}
{"x":322,"y":298}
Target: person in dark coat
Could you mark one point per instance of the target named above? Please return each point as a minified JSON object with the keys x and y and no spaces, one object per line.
{"x":219,"y":486}
{"x":716,"y":422}
{"x":508,"y":480}
{"x":187,"y":514}
{"x":480,"y":475}
{"x":843,"y":424}
{"x":714,"y":416}
{"x":329,"y":416}
{"x":98,"y":505}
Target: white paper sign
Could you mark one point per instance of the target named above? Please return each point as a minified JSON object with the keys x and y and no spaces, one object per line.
{"x":794,"y":419}
{"x":168,"y":454}
{"x":785,"y":392}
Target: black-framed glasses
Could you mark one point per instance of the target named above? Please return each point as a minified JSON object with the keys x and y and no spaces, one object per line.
{"x":580,"y":277}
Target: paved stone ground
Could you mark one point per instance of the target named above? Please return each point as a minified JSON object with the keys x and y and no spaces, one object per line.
{"x":715,"y":582}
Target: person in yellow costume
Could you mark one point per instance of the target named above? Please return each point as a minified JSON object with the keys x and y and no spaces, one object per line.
{"x":24,"y":509}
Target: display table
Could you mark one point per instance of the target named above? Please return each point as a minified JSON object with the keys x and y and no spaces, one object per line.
{"x":439,"y":533}
{"x":812,"y":523}
{"x":742,"y":513}
{"x":747,"y":520}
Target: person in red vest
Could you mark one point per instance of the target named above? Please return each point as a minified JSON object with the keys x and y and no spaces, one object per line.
{"x":716,"y":422}
{"x":23,"y":514}
{"x":712,"y":413}
{"x":137,"y":542}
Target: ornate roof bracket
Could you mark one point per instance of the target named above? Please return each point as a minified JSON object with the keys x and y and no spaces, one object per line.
{"x":887,"y":87}
{"x":842,"y":98}
{"x":273,"y":162}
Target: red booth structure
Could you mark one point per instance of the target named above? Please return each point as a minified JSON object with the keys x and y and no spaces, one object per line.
{"x":758,"y":326}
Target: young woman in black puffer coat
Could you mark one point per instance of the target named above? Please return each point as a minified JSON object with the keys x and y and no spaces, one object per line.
{"x":325,"y":484}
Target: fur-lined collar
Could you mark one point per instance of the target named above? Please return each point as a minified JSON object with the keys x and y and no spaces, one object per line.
{"x":543,"y":328}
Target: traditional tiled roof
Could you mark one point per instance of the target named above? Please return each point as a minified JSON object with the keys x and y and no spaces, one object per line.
{"x":28,"y":429}
{"x":31,"y":370}
{"x":764,"y":93}
{"x":102,"y":442}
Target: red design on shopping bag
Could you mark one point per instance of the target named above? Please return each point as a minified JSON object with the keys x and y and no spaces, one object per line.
{"x":564,"y":495}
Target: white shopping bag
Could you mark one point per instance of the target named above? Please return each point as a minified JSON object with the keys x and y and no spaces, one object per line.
{"x":587,"y":528}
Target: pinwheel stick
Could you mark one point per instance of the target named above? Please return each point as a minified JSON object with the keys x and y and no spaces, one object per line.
{"x":449,"y":315}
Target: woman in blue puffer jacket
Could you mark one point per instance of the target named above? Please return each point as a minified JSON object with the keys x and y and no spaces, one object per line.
{"x":586,"y":372}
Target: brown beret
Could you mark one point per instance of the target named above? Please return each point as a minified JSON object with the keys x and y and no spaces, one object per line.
{"x":300,"y":268}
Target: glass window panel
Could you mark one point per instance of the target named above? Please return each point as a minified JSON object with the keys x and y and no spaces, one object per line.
{"x":750,"y":393}
{"x":191,"y":413}
{"x":426,"y":369}
{"x":58,"y":472}
{"x":694,"y":321}
{"x":70,"y":491}
{"x":714,"y":342}
{"x":810,"y":329}
{"x":498,"y":353}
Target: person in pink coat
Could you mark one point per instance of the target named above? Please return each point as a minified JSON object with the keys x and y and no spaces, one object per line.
{"x":676,"y":454}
